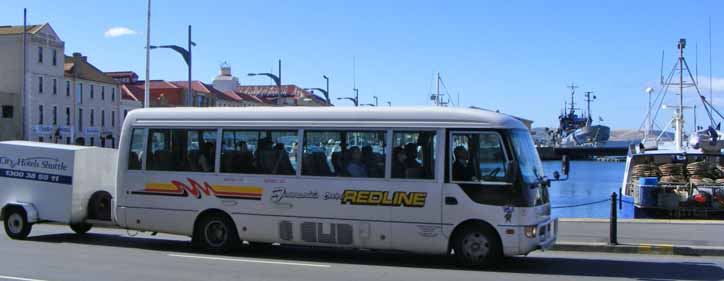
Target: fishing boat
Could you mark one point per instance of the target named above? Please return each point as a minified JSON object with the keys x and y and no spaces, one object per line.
{"x":678,"y":179}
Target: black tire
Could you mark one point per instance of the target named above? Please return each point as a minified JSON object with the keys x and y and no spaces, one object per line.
{"x":99,"y":206}
{"x":216,"y":233}
{"x":16,"y":223}
{"x":477,"y":246}
{"x":81,"y":228}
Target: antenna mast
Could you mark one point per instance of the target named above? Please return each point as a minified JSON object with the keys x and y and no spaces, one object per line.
{"x":589,"y":98}
{"x":573,"y":88}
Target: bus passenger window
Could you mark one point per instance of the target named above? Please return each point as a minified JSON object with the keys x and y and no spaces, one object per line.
{"x":182,"y":150}
{"x":344,"y":154}
{"x":259,"y":152}
{"x":135,"y":152}
{"x":413,"y":155}
{"x":478,"y":157}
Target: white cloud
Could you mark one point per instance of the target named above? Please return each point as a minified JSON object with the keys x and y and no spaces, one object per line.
{"x":118,"y":31}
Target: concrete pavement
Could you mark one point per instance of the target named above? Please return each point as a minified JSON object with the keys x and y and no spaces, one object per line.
{"x":643,"y":236}
{"x":54,"y":253}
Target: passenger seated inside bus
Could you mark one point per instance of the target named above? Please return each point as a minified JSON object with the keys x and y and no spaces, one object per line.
{"x":355,"y":167}
{"x":205,"y":157}
{"x":462,"y":170}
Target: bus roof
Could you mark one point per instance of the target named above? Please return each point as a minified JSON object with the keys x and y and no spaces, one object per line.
{"x":370,"y":117}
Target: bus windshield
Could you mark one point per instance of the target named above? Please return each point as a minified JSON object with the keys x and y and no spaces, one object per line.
{"x":531,"y":168}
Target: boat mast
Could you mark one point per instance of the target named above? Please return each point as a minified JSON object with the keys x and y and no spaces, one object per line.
{"x":573,"y":88}
{"x":679,"y":119}
{"x":589,"y":98}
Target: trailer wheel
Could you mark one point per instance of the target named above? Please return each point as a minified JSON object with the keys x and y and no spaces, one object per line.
{"x":217,"y":233}
{"x":81,"y":228}
{"x":16,"y":223}
{"x":476,"y":245}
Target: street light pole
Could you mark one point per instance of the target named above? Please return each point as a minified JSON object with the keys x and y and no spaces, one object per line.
{"x":376,"y":103}
{"x":147,"y":86}
{"x":389,"y":103}
{"x":189,"y":98}
{"x":356,"y":97}
{"x":186,"y":54}
{"x":327,"y":91}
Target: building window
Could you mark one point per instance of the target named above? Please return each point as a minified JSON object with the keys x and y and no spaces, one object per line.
{"x":103,"y":118}
{"x":67,"y":116}
{"x":92,"y":141}
{"x":79,"y":93}
{"x":55,"y":57}
{"x":113,"y":94}
{"x":7,"y":111}
{"x":55,"y":115}
{"x":80,"y":119}
{"x":92,"y":88}
{"x":40,"y":115}
{"x":55,"y":86}
{"x":92,"y":121}
{"x":113,"y":119}
{"x":67,"y":140}
{"x":40,"y":139}
{"x":40,"y":54}
{"x":40,"y":84}
{"x":103,"y":92}
{"x":67,"y":88}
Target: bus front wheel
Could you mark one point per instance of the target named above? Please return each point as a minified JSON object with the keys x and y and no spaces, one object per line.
{"x":477,"y":246}
{"x":16,"y":223}
{"x":216,"y":233}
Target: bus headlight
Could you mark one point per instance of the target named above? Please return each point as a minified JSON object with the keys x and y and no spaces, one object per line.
{"x":531,"y":231}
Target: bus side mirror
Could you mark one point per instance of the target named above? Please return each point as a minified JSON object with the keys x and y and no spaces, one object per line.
{"x":556,"y":176}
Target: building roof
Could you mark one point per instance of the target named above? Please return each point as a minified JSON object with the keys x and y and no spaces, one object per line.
{"x":135,"y":91}
{"x":270,"y":93}
{"x":18,"y":29}
{"x":122,"y":74}
{"x":79,"y":67}
{"x":196,"y":86}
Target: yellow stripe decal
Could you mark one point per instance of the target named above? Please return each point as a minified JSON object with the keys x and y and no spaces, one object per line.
{"x":160,"y":186}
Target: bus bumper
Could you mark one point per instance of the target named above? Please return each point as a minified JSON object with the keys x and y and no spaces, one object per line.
{"x":545,"y":237}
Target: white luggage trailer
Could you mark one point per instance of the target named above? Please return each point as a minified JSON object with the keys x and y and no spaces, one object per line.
{"x":42,"y":182}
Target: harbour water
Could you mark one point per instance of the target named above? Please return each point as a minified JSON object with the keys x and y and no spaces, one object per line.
{"x":589,"y":181}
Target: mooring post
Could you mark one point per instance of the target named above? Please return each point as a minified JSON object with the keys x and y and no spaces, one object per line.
{"x":613,"y":234}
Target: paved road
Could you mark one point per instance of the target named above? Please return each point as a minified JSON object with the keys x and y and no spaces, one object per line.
{"x":53,"y":253}
{"x":684,"y":233}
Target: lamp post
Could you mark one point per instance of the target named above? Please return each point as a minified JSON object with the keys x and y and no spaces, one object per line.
{"x":389,"y":103}
{"x":368,"y":104}
{"x":186,"y":54}
{"x":376,"y":100}
{"x":277,"y":78}
{"x":326,"y":92}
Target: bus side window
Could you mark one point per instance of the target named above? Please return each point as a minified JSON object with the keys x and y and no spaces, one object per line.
{"x":259,"y":152}
{"x":135,"y":152}
{"x":344,"y":154}
{"x":181,"y":150}
{"x":413,"y":155}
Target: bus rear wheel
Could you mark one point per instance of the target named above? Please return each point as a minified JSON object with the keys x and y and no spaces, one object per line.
{"x":81,"y":228}
{"x":477,"y":246}
{"x":16,"y":223}
{"x":216,"y":233}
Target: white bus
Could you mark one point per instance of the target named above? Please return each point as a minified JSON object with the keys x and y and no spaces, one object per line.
{"x":425,"y":180}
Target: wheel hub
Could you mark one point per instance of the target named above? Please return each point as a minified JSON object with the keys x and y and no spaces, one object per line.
{"x":15,"y":223}
{"x":216,"y":233}
{"x":476,"y":246}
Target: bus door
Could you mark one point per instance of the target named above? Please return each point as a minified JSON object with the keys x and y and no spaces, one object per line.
{"x":416,"y":193}
{"x":477,"y":185}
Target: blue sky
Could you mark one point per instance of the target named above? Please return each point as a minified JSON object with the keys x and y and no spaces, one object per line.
{"x":515,"y":56}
